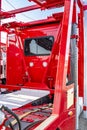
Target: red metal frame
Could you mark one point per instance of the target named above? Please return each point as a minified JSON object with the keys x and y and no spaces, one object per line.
{"x":53,"y":77}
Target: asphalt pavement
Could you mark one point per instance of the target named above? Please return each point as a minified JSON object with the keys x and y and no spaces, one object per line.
{"x":82,"y":123}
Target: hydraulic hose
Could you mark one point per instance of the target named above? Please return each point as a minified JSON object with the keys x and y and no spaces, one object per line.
{"x":13,"y":114}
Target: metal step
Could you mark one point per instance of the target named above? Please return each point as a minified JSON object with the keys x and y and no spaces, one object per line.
{"x":19,"y":98}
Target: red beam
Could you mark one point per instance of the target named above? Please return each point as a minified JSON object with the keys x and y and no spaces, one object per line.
{"x":12,"y":13}
{"x":25,"y":9}
{"x":80,"y":3}
{"x":4,"y":15}
{"x":54,"y":5}
{"x":49,"y":3}
{"x":85,"y":7}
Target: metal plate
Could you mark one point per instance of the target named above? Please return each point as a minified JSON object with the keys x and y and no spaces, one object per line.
{"x":22,"y":97}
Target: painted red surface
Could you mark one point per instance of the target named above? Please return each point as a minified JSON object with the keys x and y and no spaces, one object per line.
{"x":29,"y":72}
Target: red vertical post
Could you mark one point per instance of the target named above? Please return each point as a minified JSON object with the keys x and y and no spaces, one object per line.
{"x":63,"y":56}
{"x":62,"y":67}
{"x":81,"y":52}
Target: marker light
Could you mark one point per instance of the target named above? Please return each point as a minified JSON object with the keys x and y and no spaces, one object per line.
{"x":31,"y":64}
{"x":45,"y":64}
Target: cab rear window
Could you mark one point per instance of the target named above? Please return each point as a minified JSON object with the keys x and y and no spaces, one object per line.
{"x":38,"y":46}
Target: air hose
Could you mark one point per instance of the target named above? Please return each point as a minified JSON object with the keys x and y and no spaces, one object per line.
{"x":13,"y":114}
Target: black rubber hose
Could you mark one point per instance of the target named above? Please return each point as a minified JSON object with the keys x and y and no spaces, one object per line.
{"x":13,"y":114}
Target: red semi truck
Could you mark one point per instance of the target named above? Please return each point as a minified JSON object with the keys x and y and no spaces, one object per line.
{"x":44,"y":69}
